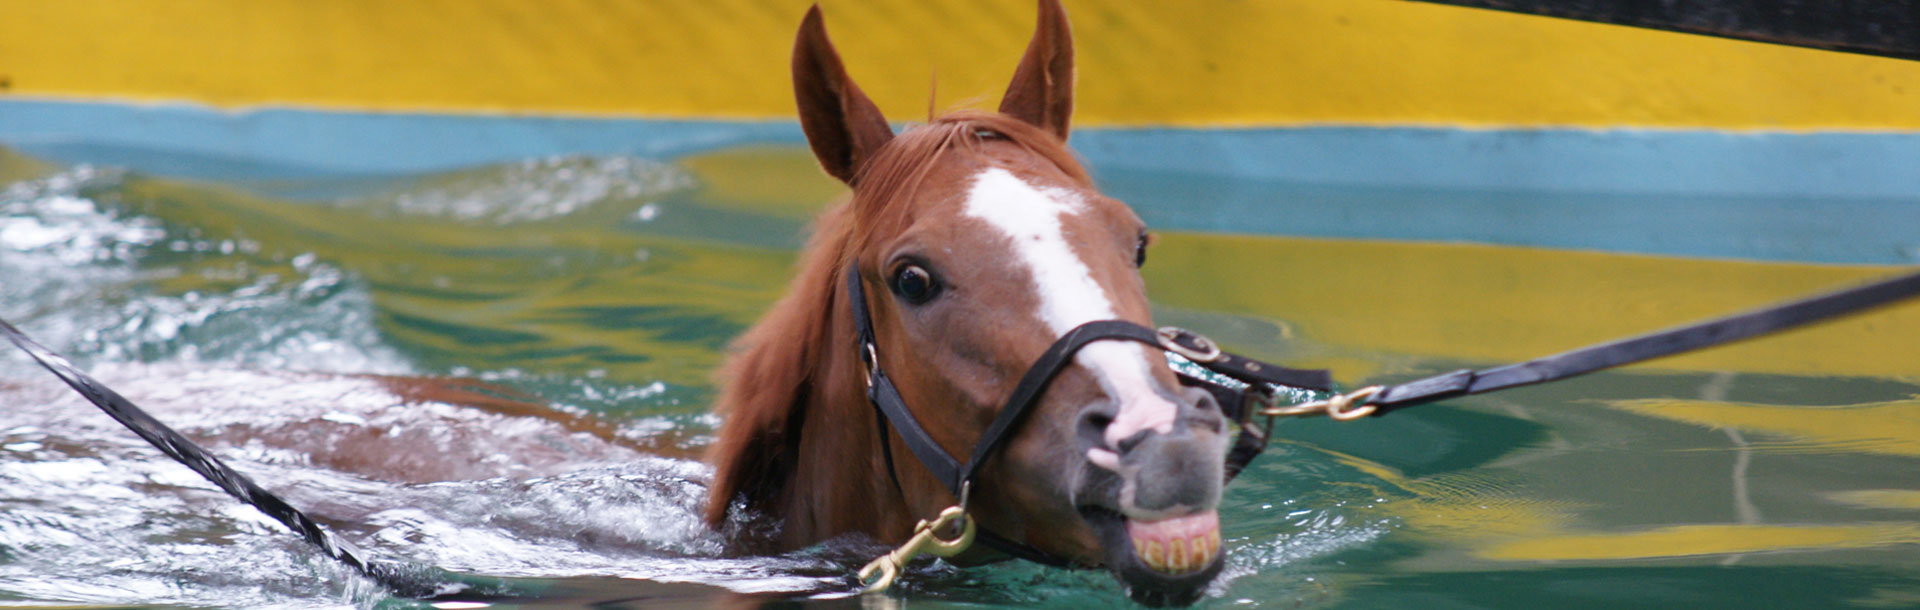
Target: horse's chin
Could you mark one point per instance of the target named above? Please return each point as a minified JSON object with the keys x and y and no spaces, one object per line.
{"x":1157,"y":575}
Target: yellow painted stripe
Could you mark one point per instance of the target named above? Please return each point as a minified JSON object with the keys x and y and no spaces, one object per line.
{"x":1890,"y":499}
{"x":1195,"y":62}
{"x":1890,"y":428}
{"x":1696,"y":540}
{"x":15,"y":167}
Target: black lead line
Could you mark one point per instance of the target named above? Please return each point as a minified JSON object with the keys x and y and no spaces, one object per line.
{"x":402,"y":579}
{"x":1677,"y":340}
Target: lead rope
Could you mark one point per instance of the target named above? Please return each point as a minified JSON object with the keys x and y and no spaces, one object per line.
{"x":402,"y":579}
{"x":1379,"y":400}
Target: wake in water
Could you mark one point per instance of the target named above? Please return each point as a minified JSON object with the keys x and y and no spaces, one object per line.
{"x":472,"y":478}
{"x":476,"y":489}
{"x":466,"y":488}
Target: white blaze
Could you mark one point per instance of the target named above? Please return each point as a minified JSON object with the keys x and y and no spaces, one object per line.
{"x":1068,"y":295}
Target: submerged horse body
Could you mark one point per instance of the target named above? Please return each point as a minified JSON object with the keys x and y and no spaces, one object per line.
{"x":978,"y":240}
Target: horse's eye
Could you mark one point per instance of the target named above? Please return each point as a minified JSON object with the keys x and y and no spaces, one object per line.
{"x":1140,"y":251}
{"x":914,"y":284}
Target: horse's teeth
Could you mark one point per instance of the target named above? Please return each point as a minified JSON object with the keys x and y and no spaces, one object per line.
{"x":1191,"y":547}
{"x":1202,"y":551}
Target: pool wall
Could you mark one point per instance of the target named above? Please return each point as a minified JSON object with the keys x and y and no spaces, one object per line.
{"x":1451,"y":124}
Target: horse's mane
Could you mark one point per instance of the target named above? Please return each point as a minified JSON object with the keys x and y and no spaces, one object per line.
{"x":776,"y":364}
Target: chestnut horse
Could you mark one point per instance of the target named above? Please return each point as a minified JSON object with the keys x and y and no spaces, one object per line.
{"x":979,"y":240}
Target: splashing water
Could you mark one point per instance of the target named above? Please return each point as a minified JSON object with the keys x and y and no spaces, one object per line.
{"x":534,"y":190}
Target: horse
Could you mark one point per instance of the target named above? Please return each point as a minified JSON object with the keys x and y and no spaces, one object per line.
{"x":976,"y":240}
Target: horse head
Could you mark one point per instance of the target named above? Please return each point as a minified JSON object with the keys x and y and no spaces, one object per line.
{"x":978,"y":240}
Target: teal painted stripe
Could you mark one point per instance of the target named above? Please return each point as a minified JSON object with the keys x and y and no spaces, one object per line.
{"x":195,"y":141}
{"x":1817,"y":197}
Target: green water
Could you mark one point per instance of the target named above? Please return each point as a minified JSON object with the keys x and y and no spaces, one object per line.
{"x":565,"y":314}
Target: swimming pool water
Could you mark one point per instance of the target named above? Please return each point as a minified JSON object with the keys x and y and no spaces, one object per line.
{"x":504,"y":371}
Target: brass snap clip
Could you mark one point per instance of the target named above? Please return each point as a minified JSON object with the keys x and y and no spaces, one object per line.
{"x":1343,"y":407}
{"x":926,"y":540}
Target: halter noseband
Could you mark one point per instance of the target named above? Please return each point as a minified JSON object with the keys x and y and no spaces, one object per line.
{"x":958,"y":477}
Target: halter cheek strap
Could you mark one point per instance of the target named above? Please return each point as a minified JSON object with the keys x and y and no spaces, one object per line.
{"x":959,"y":476}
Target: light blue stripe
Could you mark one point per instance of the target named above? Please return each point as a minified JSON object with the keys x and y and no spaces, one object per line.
{"x":1624,"y":161}
{"x":305,"y":143}
{"x":1817,"y":197}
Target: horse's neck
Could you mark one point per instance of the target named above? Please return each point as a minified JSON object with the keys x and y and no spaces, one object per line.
{"x":840,"y":482}
{"x":801,"y":444}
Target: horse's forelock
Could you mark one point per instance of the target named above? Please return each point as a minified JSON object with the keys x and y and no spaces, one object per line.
{"x":884,"y":186}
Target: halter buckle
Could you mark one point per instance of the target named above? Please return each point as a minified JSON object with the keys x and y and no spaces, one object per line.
{"x":873,"y":362}
{"x":1203,"y":351}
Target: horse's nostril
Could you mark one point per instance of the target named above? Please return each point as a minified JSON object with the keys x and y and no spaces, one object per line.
{"x":1205,"y":401}
{"x":1127,"y":444}
{"x":1094,"y":421}
{"x":1099,"y":421}
{"x":1205,"y":413}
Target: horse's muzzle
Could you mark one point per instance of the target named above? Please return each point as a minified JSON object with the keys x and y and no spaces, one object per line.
{"x":1180,"y":470}
{"x":1153,"y":498}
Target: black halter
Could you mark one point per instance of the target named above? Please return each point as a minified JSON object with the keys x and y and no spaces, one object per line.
{"x":957,"y":476}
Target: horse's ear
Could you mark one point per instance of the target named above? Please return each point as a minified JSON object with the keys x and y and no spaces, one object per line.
{"x":842,"y":125}
{"x":1042,"y":89}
